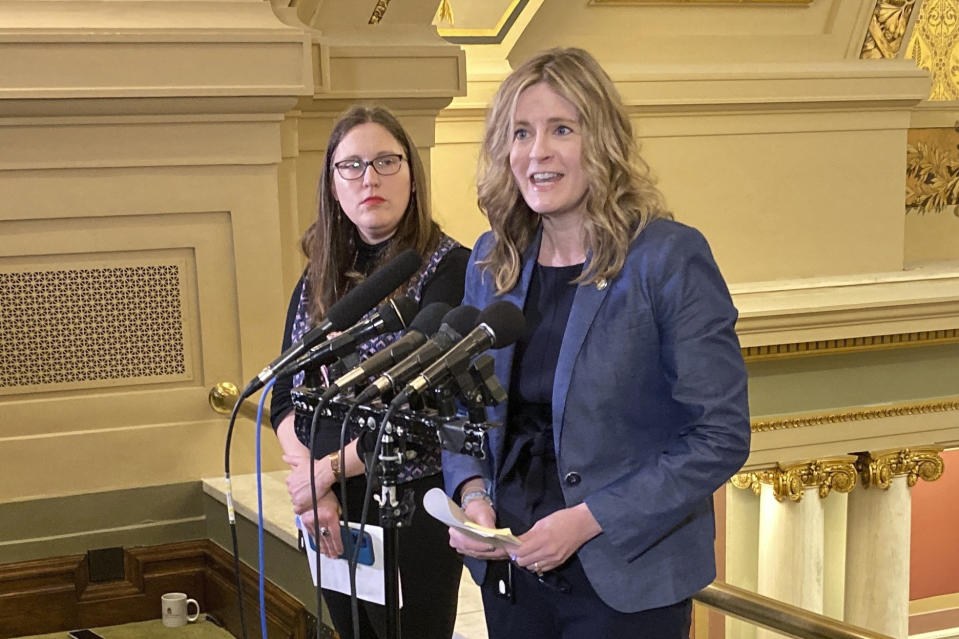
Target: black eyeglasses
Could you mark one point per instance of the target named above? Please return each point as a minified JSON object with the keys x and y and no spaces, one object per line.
{"x":385,"y":165}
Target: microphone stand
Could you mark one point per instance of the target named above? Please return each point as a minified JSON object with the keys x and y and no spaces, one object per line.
{"x":395,"y":513}
{"x":476,"y":387}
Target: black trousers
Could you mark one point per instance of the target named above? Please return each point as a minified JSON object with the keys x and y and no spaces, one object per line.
{"x":564,"y":606}
{"x":429,"y":575}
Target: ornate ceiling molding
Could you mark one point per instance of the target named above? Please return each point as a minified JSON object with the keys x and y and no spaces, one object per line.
{"x":855,"y":415}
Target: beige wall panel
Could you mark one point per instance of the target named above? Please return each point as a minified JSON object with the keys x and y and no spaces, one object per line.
{"x":290,"y":227}
{"x":818,"y":220}
{"x":454,"y":191}
{"x":371,"y":75}
{"x":93,"y":460}
{"x":131,"y":142}
{"x":250,"y":68}
{"x":931,"y":237}
{"x":691,"y":33}
{"x":226,"y":16}
{"x":220,"y":223}
{"x":831,"y":213}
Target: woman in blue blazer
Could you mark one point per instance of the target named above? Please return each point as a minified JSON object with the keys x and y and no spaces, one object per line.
{"x":627,"y":394}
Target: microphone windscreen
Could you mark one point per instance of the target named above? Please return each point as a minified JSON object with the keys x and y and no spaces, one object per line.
{"x":397,"y":314}
{"x":406,"y":308}
{"x":462,"y":319}
{"x":428,"y":320}
{"x":368,"y":293}
{"x":505,"y":320}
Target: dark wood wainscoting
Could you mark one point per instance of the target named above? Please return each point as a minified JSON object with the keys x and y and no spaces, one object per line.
{"x":50,"y":595}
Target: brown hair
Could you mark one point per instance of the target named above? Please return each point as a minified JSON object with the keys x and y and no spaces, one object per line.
{"x":622,"y":197}
{"x":330,"y":243}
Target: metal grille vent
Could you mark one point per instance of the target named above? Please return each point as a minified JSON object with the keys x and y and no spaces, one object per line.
{"x":83,"y":325}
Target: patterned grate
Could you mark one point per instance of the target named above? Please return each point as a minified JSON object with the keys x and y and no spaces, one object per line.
{"x":83,"y":325}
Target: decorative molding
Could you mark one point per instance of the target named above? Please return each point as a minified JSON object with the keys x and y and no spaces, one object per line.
{"x":684,"y":2}
{"x":850,"y":345}
{"x":790,"y":481}
{"x":379,"y":11}
{"x":855,"y":415}
{"x":912,"y":305}
{"x":887,"y":29}
{"x":878,"y":468}
{"x":932,"y":171}
{"x":490,"y":35}
{"x":934,"y":45}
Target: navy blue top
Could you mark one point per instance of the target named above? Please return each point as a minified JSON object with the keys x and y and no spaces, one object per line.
{"x":529,"y":487}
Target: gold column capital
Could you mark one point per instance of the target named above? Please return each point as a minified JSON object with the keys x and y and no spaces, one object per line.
{"x":878,"y":468}
{"x":791,"y":480}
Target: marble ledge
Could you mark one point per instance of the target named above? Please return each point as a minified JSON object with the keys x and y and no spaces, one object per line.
{"x":921,"y":298}
{"x":278,"y":516}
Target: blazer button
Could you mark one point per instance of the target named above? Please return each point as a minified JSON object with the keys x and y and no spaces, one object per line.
{"x":573,"y":479}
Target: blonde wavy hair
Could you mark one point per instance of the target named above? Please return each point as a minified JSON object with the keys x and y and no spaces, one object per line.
{"x":622,"y":197}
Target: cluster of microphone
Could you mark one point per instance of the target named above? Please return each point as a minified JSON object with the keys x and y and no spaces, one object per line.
{"x":439,"y":341}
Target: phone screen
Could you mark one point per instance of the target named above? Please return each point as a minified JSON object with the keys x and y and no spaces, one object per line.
{"x":84,"y":634}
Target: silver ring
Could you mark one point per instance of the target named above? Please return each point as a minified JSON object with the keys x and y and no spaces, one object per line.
{"x":324,"y":532}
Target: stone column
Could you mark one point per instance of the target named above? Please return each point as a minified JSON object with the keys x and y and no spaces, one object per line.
{"x":742,"y":545}
{"x":877,"y":549}
{"x":791,"y":543}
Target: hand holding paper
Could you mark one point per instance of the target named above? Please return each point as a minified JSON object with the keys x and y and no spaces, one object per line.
{"x":444,"y":509}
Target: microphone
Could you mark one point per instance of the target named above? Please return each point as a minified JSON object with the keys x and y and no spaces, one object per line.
{"x":426,"y":322}
{"x":345,"y":312}
{"x":500,"y":324}
{"x":456,"y":323}
{"x":389,"y":318}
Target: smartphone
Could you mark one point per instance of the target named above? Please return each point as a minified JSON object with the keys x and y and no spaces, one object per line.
{"x":351,"y":536}
{"x":84,"y":634}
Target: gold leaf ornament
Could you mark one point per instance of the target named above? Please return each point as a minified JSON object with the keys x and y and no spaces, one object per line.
{"x":446,"y":12}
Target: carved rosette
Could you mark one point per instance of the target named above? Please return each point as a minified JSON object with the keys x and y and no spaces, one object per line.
{"x":878,"y":468}
{"x":791,"y":481}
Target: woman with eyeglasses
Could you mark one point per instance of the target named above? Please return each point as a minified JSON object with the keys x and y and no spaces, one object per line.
{"x":626,"y":396}
{"x":373,"y":204}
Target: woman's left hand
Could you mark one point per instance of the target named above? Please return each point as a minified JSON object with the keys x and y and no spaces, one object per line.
{"x":298,"y":481}
{"x":554,"y":538}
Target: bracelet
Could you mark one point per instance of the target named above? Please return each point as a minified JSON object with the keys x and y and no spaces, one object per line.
{"x":335,"y":464}
{"x":474,"y":495}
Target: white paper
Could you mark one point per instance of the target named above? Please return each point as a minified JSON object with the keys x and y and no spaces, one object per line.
{"x":370,"y":580}
{"x":444,"y":509}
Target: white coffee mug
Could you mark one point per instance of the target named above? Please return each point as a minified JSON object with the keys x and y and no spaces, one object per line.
{"x":175,"y":609}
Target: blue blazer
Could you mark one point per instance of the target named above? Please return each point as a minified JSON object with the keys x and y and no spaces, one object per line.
{"x":650,"y":414}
